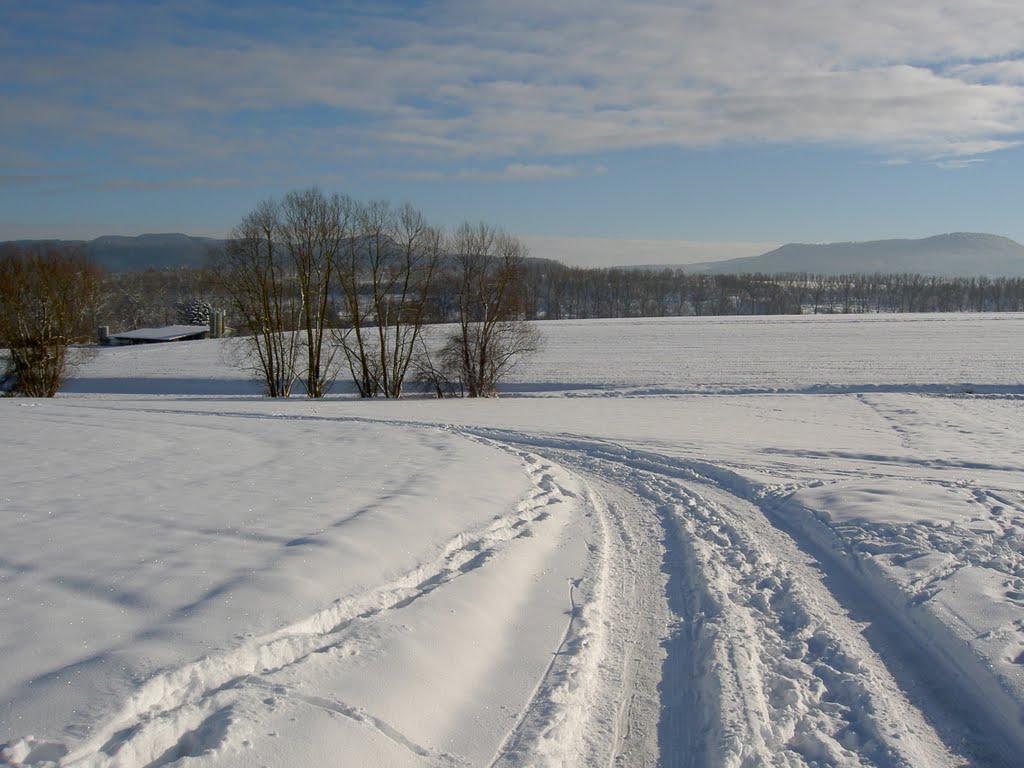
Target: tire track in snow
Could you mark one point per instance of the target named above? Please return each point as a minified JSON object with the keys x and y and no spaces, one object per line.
{"x":187,"y":710}
{"x":608,"y":690}
{"x":576,"y":715}
{"x":766,"y":667}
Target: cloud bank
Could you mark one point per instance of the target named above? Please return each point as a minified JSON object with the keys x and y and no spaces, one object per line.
{"x":503,"y":90}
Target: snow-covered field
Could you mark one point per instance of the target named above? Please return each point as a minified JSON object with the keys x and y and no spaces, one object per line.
{"x":693,"y":542}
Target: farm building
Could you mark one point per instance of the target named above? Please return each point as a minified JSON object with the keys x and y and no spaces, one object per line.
{"x":159,"y":335}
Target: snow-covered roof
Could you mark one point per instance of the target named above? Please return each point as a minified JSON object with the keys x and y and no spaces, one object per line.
{"x":167,"y":333}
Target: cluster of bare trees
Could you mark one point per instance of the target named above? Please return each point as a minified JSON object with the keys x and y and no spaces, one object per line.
{"x":555,"y":291}
{"x":48,"y":299}
{"x":316,"y":281}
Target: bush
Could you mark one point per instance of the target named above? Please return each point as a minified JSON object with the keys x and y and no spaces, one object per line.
{"x":48,"y":296}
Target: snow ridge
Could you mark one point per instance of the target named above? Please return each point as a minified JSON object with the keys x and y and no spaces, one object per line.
{"x":188,"y":710}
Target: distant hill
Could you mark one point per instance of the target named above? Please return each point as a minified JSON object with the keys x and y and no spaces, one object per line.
{"x":960,"y":254}
{"x":129,"y":254}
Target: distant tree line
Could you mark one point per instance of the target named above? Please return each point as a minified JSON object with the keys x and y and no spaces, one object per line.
{"x":555,"y":291}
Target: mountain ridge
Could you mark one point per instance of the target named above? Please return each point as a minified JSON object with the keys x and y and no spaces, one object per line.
{"x":954,"y":254}
{"x":128,"y":253}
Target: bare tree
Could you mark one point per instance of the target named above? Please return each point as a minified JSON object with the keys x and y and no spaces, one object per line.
{"x":492,"y":335}
{"x":48,"y":299}
{"x":314,"y":227}
{"x":258,"y":278}
{"x":386,"y":274}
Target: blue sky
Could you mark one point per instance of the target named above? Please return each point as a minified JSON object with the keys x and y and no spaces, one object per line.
{"x":614,"y":129}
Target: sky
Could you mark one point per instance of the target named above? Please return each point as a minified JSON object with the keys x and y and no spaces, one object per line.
{"x":600,"y":131}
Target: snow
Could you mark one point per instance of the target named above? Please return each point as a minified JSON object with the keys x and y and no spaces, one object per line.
{"x":889,"y":502}
{"x":693,"y":542}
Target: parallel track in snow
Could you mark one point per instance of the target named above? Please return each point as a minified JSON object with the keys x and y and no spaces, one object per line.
{"x":761,"y":662}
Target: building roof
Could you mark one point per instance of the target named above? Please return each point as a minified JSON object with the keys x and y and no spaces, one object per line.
{"x":167,"y":333}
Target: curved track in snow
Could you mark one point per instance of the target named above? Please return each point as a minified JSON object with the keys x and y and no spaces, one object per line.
{"x":745,"y":638}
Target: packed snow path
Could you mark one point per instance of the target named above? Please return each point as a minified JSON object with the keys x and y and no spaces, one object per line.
{"x":760,"y":663}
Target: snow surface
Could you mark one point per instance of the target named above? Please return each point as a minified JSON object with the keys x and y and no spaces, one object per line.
{"x":693,"y":542}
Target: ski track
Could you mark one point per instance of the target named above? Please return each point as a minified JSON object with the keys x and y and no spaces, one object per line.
{"x":712,"y":627}
{"x":761,"y":662}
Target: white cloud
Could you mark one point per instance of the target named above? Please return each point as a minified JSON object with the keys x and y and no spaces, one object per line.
{"x":522,"y":82}
{"x":510,"y":172}
{"x":955,"y":164}
{"x":536,"y":171}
